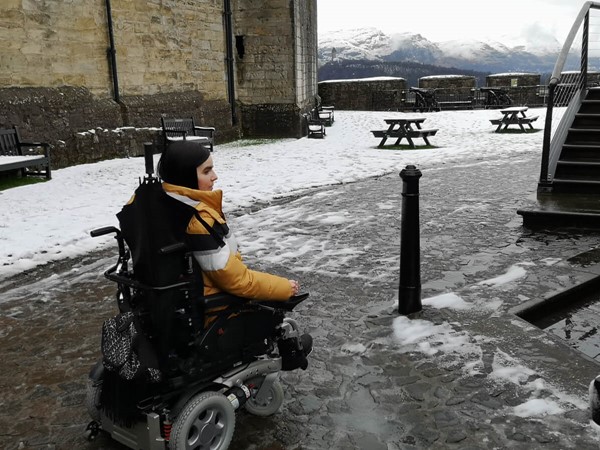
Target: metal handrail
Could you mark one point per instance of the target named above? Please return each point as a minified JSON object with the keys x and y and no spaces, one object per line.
{"x":552,"y":146}
{"x":564,"y":53}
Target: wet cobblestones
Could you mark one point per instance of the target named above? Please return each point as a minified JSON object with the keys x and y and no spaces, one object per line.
{"x":362,"y":389}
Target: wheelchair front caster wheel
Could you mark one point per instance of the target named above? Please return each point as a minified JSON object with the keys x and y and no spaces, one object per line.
{"x":206,"y":422}
{"x":270,"y":403}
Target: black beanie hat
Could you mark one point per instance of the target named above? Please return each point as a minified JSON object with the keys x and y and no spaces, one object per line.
{"x":179,"y":161}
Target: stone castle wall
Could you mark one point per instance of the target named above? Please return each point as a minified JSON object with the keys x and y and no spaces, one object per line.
{"x":171,"y":60}
{"x":513,"y":79}
{"x":276,"y":64}
{"x":367,"y":94}
{"x":54,"y":44}
{"x":447,"y":82}
{"x":521,"y":87}
{"x":160,"y":46}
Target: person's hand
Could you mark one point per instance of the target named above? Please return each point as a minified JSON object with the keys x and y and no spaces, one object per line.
{"x":295,"y":287}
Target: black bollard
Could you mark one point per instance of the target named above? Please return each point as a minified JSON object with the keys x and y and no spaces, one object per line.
{"x":409,"y":293}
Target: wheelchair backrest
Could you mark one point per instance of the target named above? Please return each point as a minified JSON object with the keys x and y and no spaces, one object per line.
{"x":154,"y":227}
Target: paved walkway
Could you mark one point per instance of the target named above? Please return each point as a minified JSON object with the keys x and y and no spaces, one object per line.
{"x":466,"y":385}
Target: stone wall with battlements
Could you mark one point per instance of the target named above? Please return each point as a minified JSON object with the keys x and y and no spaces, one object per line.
{"x":367,"y":94}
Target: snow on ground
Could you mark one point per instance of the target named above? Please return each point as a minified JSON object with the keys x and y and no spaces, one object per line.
{"x":513,"y":273}
{"x":49,"y":221}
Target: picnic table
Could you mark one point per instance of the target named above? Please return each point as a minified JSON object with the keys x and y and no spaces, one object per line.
{"x":405,"y":128}
{"x":514,"y":116}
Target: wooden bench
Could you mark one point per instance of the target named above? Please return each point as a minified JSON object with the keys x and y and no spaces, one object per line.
{"x":326,"y":116}
{"x":401,"y":134}
{"x":316,"y":129}
{"x":186,"y":129}
{"x":413,"y":133}
{"x":16,"y":154}
{"x":515,"y":121}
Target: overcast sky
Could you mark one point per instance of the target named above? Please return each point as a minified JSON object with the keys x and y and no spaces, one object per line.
{"x":441,"y":20}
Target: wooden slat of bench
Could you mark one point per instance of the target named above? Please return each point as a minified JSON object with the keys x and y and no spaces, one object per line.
{"x":9,"y":145}
{"x":423,"y":132}
{"x":515,"y":121}
{"x":411,"y":133}
{"x":20,"y":162}
{"x":528,"y":119}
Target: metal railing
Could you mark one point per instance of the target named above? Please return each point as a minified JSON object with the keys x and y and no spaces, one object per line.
{"x":568,"y":85}
{"x":481,"y":97}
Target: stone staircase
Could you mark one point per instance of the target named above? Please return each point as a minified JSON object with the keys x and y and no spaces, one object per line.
{"x":574,"y":199}
{"x":578,"y":168}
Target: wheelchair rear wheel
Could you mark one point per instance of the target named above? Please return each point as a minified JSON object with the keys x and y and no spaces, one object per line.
{"x":272,"y":401}
{"x":206,"y":422}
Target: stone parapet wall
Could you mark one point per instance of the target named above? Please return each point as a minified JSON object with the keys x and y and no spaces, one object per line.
{"x":513,"y":79}
{"x":368,"y":94}
{"x":521,"y":87}
{"x":83,"y":128}
{"x":447,"y":82}
{"x":273,"y":121}
{"x":52,"y":114}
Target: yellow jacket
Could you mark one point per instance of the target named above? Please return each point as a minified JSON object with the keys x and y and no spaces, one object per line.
{"x":220,"y":260}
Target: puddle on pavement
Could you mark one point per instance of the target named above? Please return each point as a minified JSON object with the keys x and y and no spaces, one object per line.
{"x":572,"y":315}
{"x":579,"y":328}
{"x":587,"y":258}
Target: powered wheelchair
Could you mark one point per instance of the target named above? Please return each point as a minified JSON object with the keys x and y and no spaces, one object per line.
{"x":176,"y":364}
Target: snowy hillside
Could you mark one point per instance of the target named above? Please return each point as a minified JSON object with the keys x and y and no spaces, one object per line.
{"x":533,"y":54}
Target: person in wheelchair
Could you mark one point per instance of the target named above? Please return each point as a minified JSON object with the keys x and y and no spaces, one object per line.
{"x":187,"y":171}
{"x":199,"y":334}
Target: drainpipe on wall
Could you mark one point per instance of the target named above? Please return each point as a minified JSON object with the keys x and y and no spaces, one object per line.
{"x":229,"y":58}
{"x":112,"y":53}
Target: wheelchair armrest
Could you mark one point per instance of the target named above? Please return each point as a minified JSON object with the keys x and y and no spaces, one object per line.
{"x":287,"y":305}
{"x":224,"y":299}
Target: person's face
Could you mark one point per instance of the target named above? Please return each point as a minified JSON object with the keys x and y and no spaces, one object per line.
{"x":206,"y":175}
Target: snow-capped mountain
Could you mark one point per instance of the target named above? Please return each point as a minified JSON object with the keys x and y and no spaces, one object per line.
{"x":536,"y":52}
